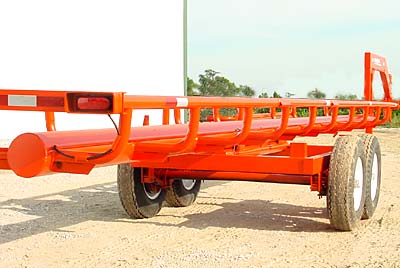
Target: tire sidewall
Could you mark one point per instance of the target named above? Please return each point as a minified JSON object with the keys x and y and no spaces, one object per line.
{"x":340,"y":195}
{"x":181,"y":196}
{"x":371,"y":204}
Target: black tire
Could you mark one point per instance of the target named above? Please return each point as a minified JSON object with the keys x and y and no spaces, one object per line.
{"x":345,"y":201}
{"x":180,"y":194}
{"x":136,"y":197}
{"x":373,"y":173}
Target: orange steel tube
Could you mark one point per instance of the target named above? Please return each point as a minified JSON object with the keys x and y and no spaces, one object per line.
{"x":165,"y":120}
{"x":177,"y":116}
{"x":217,"y":116}
{"x":240,"y":176}
{"x":50,"y":121}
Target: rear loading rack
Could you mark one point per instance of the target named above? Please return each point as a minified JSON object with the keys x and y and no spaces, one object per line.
{"x":168,"y":162}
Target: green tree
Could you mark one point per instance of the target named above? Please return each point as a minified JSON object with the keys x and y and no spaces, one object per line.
{"x":316,"y":94}
{"x":276,"y":95}
{"x":263,"y":110}
{"x":191,"y":87}
{"x":346,"y":97}
{"x":211,"y":84}
{"x":246,"y":91}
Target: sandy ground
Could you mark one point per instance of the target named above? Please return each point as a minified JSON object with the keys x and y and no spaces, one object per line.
{"x":77,"y":221}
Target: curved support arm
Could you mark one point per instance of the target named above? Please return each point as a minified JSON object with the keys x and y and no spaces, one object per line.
{"x":232,"y":139}
{"x":377,"y":118}
{"x":350,"y":122}
{"x":241,"y":113}
{"x":216,"y":115}
{"x":186,"y":144}
{"x":165,"y":120}
{"x":284,"y":123}
{"x":274,"y":135}
{"x":50,"y":121}
{"x":311,"y":124}
{"x":386,"y":117}
{"x":120,"y":143}
{"x":117,"y":148}
{"x":332,"y":124}
{"x":364,"y":121}
{"x":273,"y":112}
{"x":177,"y":116}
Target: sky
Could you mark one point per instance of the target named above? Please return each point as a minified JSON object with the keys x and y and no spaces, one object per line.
{"x":293,"y":46}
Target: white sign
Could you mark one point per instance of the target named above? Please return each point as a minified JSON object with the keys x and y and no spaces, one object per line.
{"x":132,"y":46}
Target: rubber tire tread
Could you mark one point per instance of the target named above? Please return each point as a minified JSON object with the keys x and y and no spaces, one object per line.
{"x":179,"y":196}
{"x":131,"y":193}
{"x":371,"y":146}
{"x":340,"y":201}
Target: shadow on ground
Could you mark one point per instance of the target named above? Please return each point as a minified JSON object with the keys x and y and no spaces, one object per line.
{"x":256,"y":215}
{"x":100,"y":202}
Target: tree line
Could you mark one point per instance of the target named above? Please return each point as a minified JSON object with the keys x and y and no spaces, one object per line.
{"x":212,"y":83}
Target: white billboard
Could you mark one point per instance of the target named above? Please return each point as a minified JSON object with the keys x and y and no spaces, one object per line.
{"x":132,"y":46}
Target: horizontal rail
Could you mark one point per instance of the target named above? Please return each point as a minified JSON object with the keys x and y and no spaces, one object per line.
{"x":57,"y":101}
{"x":239,"y":176}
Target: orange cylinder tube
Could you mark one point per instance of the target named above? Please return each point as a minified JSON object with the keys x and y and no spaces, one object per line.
{"x":28,"y":156}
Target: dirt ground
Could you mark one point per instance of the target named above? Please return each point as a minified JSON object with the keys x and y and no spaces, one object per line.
{"x":77,"y":221}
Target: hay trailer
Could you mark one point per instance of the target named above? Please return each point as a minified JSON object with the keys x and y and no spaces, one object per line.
{"x":168,"y":162}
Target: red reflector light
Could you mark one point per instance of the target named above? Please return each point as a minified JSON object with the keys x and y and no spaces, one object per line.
{"x":87,"y":102}
{"x":94,"y":103}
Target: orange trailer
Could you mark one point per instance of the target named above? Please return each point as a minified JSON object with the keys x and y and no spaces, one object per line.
{"x":169,"y":161}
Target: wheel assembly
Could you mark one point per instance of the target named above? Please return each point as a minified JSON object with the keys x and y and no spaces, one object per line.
{"x":373,"y":174}
{"x":347,"y":183}
{"x":183,"y":192}
{"x":140,"y":200}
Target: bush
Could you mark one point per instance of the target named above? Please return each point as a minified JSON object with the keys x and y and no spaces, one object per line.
{"x":395,"y":123}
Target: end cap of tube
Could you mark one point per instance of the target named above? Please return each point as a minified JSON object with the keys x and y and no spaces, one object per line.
{"x":27,"y":156}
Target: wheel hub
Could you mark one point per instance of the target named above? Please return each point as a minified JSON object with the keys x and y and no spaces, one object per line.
{"x":151,"y":190}
{"x":188,"y":184}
